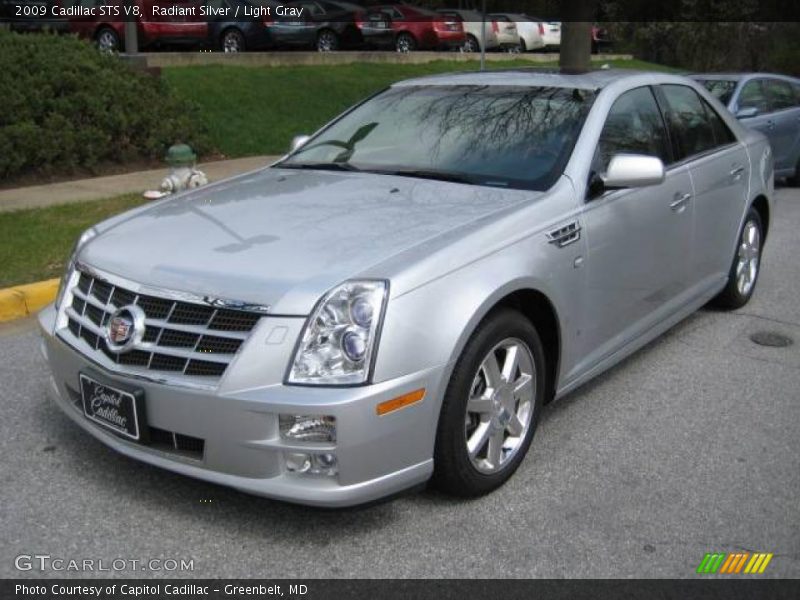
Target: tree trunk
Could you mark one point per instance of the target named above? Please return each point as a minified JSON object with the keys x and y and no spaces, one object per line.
{"x":576,"y":35}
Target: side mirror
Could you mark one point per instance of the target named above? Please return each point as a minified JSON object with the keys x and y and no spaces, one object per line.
{"x":632,"y":171}
{"x":747,"y":113}
{"x":298,"y":141}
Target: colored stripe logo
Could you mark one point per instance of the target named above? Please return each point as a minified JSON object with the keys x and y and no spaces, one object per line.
{"x":734,"y":563}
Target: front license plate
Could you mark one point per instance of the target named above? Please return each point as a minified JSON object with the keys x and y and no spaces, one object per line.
{"x":112,"y":408}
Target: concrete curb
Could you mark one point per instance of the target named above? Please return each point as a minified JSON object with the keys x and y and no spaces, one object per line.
{"x":25,"y":300}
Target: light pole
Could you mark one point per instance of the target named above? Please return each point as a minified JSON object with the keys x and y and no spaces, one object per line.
{"x":483,"y":35}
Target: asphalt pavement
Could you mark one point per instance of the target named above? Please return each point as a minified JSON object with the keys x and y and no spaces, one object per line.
{"x":690,"y":446}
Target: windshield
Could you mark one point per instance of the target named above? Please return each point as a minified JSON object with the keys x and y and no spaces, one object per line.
{"x":508,"y":136}
{"x":721,"y":88}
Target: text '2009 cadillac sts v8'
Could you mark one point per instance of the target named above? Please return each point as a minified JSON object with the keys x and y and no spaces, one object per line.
{"x":395,"y":299}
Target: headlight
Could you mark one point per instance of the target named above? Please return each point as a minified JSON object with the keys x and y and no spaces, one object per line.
{"x":85,"y":237}
{"x":340,"y":337}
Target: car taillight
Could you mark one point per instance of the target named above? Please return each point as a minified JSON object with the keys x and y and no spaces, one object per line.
{"x":541,"y":28}
{"x":495,"y":27}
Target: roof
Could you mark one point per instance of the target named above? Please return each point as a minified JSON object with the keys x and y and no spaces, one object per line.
{"x":740,"y":76}
{"x":591,"y":80}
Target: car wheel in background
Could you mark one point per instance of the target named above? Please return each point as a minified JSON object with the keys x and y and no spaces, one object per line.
{"x":327,"y":41}
{"x":405,"y":43}
{"x":107,"y":40}
{"x":523,"y":47}
{"x":471,"y":44}
{"x":491,"y":406}
{"x":746,"y":265}
{"x":232,"y":41}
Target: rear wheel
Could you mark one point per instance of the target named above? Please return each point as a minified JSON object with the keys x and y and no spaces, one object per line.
{"x":405,"y":43}
{"x":471,"y":44}
{"x":327,"y":41}
{"x":107,"y":40}
{"x":746,"y":265}
{"x":491,"y":407}
{"x":523,"y":47}
{"x":232,"y":41}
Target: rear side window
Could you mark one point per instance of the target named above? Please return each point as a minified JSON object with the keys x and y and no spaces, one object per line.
{"x":753,"y":96}
{"x":689,"y":121}
{"x":779,"y":94}
{"x":634,"y":126}
{"x":722,"y":89}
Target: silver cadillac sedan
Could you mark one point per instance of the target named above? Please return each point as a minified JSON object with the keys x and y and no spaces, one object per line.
{"x":394,"y":301}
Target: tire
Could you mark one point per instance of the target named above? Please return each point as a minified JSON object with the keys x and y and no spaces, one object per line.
{"x":746,"y":266}
{"x":107,"y":40}
{"x":497,"y":416}
{"x":523,"y":47}
{"x":472,"y":44}
{"x":327,"y":41}
{"x":232,"y":41}
{"x":405,"y":43}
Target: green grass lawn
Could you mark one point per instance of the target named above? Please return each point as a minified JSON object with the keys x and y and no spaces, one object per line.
{"x":250,"y":110}
{"x":35,"y":244}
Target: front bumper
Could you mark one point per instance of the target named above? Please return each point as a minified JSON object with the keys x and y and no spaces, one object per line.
{"x":377,"y":456}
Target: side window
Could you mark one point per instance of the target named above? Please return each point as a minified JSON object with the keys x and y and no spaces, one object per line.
{"x":752,"y":96}
{"x":722,"y":133}
{"x":633,"y":126}
{"x":688,"y":121}
{"x":779,"y":94}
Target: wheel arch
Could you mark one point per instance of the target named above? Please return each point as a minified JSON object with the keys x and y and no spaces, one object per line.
{"x":761,"y":206}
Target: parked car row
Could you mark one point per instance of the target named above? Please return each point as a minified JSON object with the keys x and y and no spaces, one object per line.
{"x":324,"y":25}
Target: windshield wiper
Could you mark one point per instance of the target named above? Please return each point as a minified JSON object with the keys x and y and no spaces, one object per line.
{"x":426,"y":174}
{"x":320,"y":166}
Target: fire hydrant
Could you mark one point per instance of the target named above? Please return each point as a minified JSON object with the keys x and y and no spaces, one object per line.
{"x":183,"y":176}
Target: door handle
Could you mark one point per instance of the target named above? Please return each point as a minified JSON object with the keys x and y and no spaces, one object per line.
{"x":680,"y":201}
{"x":736,"y":172}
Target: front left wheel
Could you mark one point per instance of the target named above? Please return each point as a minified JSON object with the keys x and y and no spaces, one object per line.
{"x":327,"y":41}
{"x":491,"y":407}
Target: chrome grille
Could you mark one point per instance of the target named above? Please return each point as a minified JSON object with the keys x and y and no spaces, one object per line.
{"x":180,"y":337}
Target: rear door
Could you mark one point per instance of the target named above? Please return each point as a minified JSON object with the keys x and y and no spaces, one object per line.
{"x":719,"y":168}
{"x":785,"y":113}
{"x":753,"y":95}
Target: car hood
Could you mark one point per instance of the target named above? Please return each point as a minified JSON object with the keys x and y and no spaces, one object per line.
{"x":284,"y":237}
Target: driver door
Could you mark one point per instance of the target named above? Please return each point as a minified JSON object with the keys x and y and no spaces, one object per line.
{"x":638,"y":240}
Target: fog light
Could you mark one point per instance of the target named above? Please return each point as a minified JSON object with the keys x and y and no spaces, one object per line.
{"x":298,"y":462}
{"x":311,"y":464}
{"x":308,"y":428}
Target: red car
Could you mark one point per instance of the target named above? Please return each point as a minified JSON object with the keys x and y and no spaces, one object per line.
{"x":180,"y":24}
{"x":419,"y":29}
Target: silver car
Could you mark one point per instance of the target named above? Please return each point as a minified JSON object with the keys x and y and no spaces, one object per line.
{"x":768,"y":103}
{"x":396,"y":299}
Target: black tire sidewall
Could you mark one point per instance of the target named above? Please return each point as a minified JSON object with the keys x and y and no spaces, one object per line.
{"x":237,"y":34}
{"x":453,"y":470}
{"x":731,"y":297}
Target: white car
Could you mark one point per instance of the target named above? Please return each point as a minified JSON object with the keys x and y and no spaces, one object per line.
{"x":499,"y":36}
{"x":529,"y":30}
{"x":550,"y":32}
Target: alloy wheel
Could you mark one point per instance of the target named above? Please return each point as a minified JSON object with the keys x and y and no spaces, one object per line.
{"x":748,"y":258}
{"x":500,"y":405}
{"x":232,"y":42}
{"x":107,"y":41}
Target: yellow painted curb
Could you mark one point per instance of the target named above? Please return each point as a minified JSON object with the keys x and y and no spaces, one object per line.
{"x":24,"y":300}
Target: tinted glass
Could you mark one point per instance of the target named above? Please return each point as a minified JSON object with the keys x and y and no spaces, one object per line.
{"x":779,"y":94}
{"x":752,"y":96}
{"x":722,"y":89}
{"x":634,"y":126}
{"x":509,"y":136}
{"x":722,"y":133}
{"x":688,"y":120}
